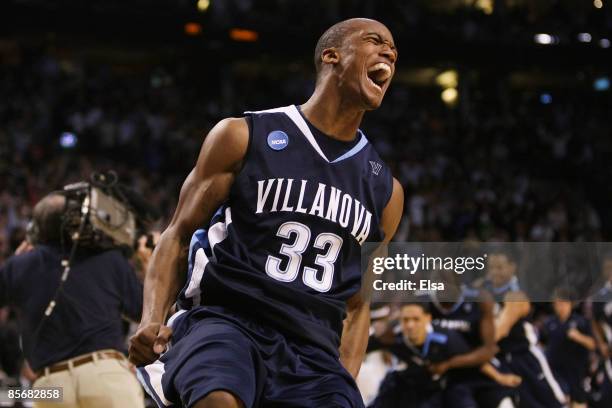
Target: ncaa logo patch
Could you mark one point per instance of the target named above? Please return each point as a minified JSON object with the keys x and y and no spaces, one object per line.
{"x":278,"y":140}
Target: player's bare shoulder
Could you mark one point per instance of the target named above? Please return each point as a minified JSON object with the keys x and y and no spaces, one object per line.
{"x":225,"y":146}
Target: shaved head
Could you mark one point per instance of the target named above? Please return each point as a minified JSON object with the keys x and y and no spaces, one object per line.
{"x":355,"y":60}
{"x":334,"y":36}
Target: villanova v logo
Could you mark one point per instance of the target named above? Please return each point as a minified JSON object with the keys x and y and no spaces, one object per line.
{"x":375,"y":167}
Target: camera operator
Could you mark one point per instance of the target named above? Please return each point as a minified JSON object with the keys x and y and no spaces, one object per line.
{"x":79,"y":345}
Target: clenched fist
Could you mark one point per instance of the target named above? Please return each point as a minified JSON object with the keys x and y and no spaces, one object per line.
{"x":150,"y":340}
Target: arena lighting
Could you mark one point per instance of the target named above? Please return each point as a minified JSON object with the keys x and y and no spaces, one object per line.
{"x":601,"y":84}
{"x":68,"y":140}
{"x":604,"y":43}
{"x":449,"y":96}
{"x":193,"y":28}
{"x":546,"y":99}
{"x":241,"y":34}
{"x":598,"y":4}
{"x":545,"y":39}
{"x":203,"y":5}
{"x":485,"y":5}
{"x":584,"y":37}
{"x":448,"y":79}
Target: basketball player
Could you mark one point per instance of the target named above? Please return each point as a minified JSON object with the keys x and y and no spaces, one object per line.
{"x":420,"y":345}
{"x":516,"y":336}
{"x":471,"y":315}
{"x":271,"y":313}
{"x":568,"y":343}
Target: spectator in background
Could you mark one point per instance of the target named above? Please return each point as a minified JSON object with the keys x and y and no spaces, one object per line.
{"x":80,"y":345}
{"x":568,"y":340}
{"x":421,"y":347}
{"x":516,"y":337}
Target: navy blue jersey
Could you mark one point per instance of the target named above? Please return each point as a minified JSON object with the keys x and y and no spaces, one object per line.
{"x":522,"y":335}
{"x":563,"y":353}
{"x":285,"y":249}
{"x":463,"y":316}
{"x":440,"y":345}
{"x":101,"y":288}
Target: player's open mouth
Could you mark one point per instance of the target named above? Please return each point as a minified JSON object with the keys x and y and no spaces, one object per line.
{"x":379,"y":74}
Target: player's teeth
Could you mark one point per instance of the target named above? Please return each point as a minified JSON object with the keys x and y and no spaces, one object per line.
{"x":374,"y":83}
{"x":380,"y":66}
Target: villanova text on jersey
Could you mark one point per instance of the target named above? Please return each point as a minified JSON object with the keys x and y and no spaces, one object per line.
{"x":285,"y":249}
{"x":329,"y":203}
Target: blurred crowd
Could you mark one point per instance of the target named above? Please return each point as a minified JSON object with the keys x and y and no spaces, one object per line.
{"x":507,"y":162}
{"x":499,"y":166}
{"x":504,"y":164}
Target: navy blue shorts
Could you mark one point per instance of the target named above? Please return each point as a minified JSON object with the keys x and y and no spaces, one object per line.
{"x":398,"y":389}
{"x":573,"y":382}
{"x":539,"y":388}
{"x":600,"y":393}
{"x":217,"y":350}
{"x":476,"y":390}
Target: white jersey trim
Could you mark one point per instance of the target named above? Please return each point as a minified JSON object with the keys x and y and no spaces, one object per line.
{"x":299,"y":121}
{"x":548,"y":375}
{"x":216,"y":234}
{"x":155,"y":371}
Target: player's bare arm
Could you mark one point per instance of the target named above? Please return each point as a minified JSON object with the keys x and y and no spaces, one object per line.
{"x":480,"y":355}
{"x":584,"y":340}
{"x":487,"y":327}
{"x":489,"y":346}
{"x":504,"y":379}
{"x":600,"y":338}
{"x":205,"y":188}
{"x":516,"y":306}
{"x":354,"y":340}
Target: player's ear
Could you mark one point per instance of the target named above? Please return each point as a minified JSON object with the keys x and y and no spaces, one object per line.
{"x":330,"y":56}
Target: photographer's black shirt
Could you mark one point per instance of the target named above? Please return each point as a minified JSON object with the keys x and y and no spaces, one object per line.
{"x":101,"y":288}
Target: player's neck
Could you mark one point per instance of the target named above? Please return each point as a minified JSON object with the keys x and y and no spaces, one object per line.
{"x":420,"y":340}
{"x":563,"y":318}
{"x":333,"y":116}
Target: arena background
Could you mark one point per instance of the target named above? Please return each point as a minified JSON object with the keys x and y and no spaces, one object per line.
{"x":497,"y":122}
